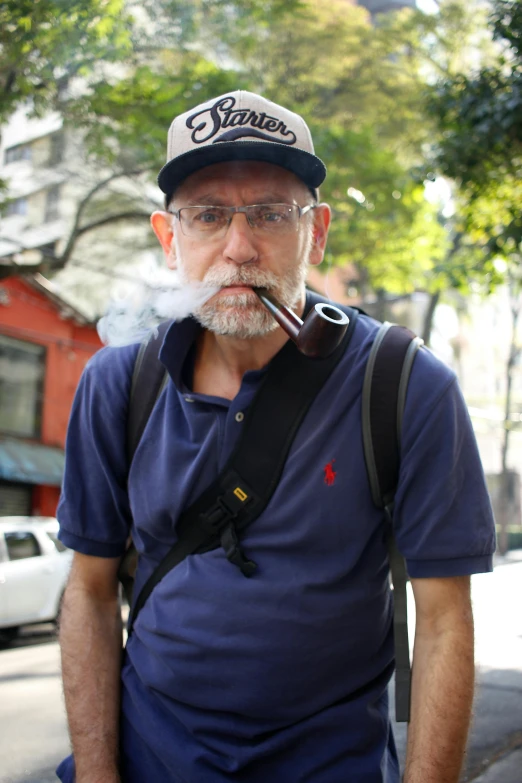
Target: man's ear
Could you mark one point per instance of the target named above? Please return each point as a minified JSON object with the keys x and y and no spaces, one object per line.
{"x":162,"y":227}
{"x":322,"y":217}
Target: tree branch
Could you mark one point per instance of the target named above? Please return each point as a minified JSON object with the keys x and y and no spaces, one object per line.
{"x":76,"y":231}
{"x":112,"y":219}
{"x":9,"y":82}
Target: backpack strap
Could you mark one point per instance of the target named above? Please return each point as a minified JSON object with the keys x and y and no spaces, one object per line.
{"x":148,"y":381}
{"x":244,"y":487}
{"x":383,"y":398}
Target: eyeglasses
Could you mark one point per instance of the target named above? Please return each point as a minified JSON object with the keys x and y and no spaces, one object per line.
{"x":269,"y":219}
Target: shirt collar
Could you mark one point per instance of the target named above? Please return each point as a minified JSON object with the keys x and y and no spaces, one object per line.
{"x":178,"y":341}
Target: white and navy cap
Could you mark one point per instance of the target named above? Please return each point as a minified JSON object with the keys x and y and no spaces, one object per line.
{"x":239,"y":126}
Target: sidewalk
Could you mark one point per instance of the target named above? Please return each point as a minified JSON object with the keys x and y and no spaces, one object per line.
{"x":506,"y":770}
{"x":498,"y":712}
{"x":513,"y":556}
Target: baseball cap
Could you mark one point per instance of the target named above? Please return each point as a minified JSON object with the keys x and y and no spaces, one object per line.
{"x":239,"y":125}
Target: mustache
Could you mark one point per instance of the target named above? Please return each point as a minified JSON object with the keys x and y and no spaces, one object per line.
{"x":257,"y":278}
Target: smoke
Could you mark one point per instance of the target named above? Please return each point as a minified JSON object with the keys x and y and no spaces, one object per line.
{"x":138,"y":309}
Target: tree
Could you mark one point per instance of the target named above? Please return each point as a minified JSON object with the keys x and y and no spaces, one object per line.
{"x":361,"y":94}
{"x":479,"y":141}
{"x":125,"y":111}
{"x":119,"y":71}
{"x":360,"y":87}
{"x":45,"y":44}
{"x":478,"y":116}
{"x":364,"y":90}
{"x":479,"y":121}
{"x":447,"y":48}
{"x":179,"y":51}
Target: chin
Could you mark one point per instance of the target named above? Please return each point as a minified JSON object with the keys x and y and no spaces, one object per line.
{"x":242,"y":322}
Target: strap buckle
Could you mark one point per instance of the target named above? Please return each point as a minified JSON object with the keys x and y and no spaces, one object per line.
{"x":220,"y":520}
{"x":227,"y":507}
{"x":233,"y":551}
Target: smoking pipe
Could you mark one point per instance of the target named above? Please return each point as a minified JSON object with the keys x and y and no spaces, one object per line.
{"x":318,"y":335}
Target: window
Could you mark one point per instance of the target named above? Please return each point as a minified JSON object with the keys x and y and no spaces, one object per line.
{"x":52,"y":203}
{"x":57,"y":543}
{"x":48,"y":250}
{"x":18,"y":152}
{"x":22,"y":367}
{"x":56,"y":149}
{"x":17,"y":207}
{"x":16,"y":499}
{"x":21,"y":545}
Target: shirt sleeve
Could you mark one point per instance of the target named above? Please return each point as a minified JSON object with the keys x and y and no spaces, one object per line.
{"x":443,"y":517}
{"x":93,"y":511}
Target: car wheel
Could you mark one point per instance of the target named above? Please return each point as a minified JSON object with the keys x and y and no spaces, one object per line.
{"x":8,"y":635}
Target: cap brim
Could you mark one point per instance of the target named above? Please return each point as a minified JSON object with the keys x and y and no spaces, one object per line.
{"x":309,"y":168}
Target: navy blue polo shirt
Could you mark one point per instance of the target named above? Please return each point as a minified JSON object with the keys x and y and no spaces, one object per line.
{"x":280,"y":677}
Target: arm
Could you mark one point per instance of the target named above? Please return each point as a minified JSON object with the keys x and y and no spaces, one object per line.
{"x":442,"y":681}
{"x":91,"y":648}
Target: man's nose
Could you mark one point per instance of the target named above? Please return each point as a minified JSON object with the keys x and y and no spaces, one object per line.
{"x":240,"y":244}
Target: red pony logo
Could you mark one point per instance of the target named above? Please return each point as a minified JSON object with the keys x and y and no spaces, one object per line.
{"x":329,"y":474}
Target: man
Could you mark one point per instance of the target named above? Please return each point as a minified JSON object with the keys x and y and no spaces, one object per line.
{"x":281,"y":677}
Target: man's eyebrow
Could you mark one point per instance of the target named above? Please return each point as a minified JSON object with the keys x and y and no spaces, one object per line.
{"x":212,"y":200}
{"x":206,"y":199}
{"x":276,"y":198}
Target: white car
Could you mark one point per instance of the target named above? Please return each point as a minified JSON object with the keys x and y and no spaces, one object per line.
{"x":34,"y":566}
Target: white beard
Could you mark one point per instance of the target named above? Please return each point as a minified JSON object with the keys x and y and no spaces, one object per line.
{"x":243,"y":316}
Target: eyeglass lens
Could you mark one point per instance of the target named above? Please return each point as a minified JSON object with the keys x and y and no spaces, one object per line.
{"x":270,"y":218}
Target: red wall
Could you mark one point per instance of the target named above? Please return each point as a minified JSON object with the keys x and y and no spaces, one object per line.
{"x":45,"y":500}
{"x":26,"y":314}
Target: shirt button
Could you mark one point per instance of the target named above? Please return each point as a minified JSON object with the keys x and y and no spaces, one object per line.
{"x":240,"y":416}
{"x":189,"y":399}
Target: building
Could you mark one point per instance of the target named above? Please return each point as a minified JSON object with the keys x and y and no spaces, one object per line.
{"x":44,"y":346}
{"x":376,"y":7}
{"x":47,"y":329}
{"x":383,"y":6}
{"x":68,"y":218}
{"x":34,"y":163}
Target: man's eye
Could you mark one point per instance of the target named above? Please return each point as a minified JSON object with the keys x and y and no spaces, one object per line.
{"x":208,"y":217}
{"x":272,"y":217}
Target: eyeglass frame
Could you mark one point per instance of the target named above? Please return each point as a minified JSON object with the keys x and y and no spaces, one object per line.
{"x":243,"y":209}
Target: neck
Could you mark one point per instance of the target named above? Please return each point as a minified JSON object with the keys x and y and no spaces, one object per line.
{"x":226,"y":359}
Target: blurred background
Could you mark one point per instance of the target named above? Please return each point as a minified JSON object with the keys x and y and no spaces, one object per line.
{"x":416,"y":109}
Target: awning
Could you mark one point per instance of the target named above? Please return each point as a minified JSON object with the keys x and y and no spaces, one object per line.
{"x":30,"y":463}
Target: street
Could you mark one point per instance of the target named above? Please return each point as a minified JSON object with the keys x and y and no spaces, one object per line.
{"x":34,"y":734}
{"x":34,"y":737}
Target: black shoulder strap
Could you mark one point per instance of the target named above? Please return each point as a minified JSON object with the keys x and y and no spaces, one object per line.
{"x":244,"y":487}
{"x":384,"y":394}
{"x":148,"y":380}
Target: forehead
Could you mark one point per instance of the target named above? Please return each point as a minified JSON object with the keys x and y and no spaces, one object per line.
{"x":241,"y":182}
